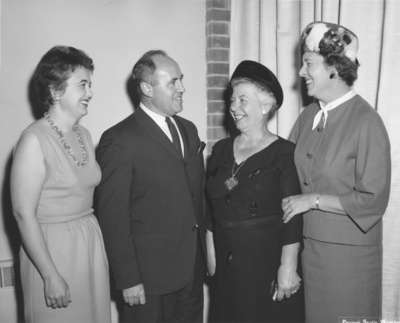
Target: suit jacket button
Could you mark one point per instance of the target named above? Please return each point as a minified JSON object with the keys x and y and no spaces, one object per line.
{"x":305,"y":183}
{"x":253,"y":208}
{"x":229,"y":257}
{"x":195,"y":227}
{"x":254,"y":174}
{"x":309,"y":155}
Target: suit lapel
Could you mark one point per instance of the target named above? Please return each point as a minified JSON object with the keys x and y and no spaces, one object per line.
{"x":153,"y":131}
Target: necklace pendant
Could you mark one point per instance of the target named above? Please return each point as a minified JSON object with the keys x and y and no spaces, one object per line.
{"x":231,"y":182}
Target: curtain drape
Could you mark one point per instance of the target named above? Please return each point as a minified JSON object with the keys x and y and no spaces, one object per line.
{"x":268,"y":31}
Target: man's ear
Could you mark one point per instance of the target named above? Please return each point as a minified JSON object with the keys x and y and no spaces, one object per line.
{"x":146,"y":89}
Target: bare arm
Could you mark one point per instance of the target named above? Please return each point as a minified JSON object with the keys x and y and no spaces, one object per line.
{"x":211,"y":262}
{"x":26,"y":185}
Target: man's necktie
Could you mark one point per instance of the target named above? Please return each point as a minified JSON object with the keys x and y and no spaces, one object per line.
{"x":174,"y":134}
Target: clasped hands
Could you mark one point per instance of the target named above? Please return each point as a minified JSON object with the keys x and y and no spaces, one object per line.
{"x":288,"y":283}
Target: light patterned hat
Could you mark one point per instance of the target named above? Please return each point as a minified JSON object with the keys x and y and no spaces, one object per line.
{"x":327,"y":38}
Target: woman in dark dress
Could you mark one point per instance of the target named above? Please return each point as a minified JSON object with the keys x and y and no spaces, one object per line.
{"x":251,"y":251}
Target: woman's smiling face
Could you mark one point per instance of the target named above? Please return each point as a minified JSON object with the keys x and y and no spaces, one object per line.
{"x":78,"y":93}
{"x":316,"y":75}
{"x":249,"y":105}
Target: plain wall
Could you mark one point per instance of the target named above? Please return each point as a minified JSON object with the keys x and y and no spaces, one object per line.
{"x":115,"y":33}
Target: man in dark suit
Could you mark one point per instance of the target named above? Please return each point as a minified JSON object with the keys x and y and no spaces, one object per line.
{"x":150,"y":200}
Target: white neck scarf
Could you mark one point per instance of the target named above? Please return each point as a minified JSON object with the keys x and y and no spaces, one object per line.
{"x":330,"y":106}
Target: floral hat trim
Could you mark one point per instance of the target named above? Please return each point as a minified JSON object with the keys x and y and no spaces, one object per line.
{"x":328,"y":38}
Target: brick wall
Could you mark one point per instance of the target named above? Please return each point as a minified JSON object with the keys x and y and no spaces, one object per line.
{"x":217,"y":32}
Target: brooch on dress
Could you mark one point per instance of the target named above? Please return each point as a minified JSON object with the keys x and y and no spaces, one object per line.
{"x":232,"y":182}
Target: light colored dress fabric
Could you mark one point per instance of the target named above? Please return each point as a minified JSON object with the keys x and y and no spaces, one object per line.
{"x":349,"y":158}
{"x":72,"y":235}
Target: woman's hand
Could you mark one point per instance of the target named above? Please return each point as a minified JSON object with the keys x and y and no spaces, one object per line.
{"x":56,"y":292}
{"x":296,"y":204}
{"x":288,"y":282}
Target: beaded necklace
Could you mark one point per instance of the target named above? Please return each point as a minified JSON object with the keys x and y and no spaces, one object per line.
{"x":67,"y":147}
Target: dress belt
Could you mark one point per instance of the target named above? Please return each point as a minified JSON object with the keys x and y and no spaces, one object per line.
{"x":63,"y":218}
{"x":272,"y":219}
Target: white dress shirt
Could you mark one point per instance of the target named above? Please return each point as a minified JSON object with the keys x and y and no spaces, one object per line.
{"x":160,"y":121}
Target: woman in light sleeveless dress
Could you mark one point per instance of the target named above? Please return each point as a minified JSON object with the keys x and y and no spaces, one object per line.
{"x":64,"y":269}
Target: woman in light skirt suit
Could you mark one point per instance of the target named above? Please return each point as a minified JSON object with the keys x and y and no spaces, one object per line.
{"x":342,"y":158}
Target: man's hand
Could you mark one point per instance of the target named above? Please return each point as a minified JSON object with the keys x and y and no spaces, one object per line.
{"x":134,"y":295}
